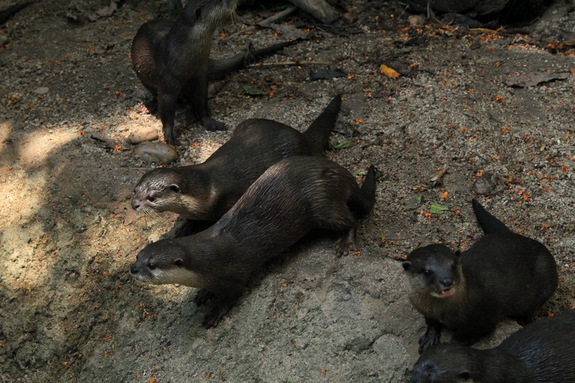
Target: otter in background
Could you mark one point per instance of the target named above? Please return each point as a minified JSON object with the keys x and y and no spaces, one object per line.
{"x":172,"y":59}
{"x":204,"y":192}
{"x":292,"y":197}
{"x":502,"y":275}
{"x":542,"y":352}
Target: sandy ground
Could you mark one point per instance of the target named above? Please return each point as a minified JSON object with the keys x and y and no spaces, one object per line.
{"x":69,"y":310}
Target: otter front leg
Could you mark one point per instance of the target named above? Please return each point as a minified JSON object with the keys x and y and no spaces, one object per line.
{"x":167,"y":110}
{"x":432,"y":334}
{"x":226,"y":298}
{"x":202,"y":297}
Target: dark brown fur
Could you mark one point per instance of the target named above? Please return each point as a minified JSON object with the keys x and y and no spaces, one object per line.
{"x":502,"y":275}
{"x":293,"y":197}
{"x":204,"y":192}
{"x":172,"y":60}
{"x":541,"y":352}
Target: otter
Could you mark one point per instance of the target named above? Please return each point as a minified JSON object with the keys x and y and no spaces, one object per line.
{"x":204,"y":192}
{"x":291,"y":198}
{"x":171,"y":59}
{"x":542,"y":352}
{"x":503,"y":274}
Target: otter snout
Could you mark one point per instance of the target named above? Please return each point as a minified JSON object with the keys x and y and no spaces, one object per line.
{"x":135,"y":204}
{"x":446,"y":282}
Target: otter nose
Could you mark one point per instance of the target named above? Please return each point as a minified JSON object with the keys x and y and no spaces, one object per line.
{"x":446,"y":282}
{"x":133,"y":270}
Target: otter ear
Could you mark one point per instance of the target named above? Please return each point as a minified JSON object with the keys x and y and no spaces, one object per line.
{"x":406,"y":265}
{"x":457,"y":253}
{"x":179,"y":262}
{"x":175,"y":188}
{"x":465,"y":375}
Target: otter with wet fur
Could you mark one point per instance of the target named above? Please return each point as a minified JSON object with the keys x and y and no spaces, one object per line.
{"x":171,"y":60}
{"x":541,"y":352}
{"x":204,"y":192}
{"x":292,"y":197}
{"x":502,"y":275}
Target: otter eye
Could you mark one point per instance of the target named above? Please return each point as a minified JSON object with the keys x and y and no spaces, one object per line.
{"x":175,"y":188}
{"x":152,"y":266}
{"x":427,"y":272}
{"x":151,"y":198}
{"x":198,"y":13}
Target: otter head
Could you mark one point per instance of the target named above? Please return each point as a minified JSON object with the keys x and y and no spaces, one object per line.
{"x":164,"y":262}
{"x":208,"y":11}
{"x":433,"y":270}
{"x":162,"y":190}
{"x":448,"y":363}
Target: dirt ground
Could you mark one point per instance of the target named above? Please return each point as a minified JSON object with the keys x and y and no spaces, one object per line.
{"x":69,"y":310}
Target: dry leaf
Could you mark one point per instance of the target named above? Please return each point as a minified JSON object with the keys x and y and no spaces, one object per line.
{"x":389,"y":72}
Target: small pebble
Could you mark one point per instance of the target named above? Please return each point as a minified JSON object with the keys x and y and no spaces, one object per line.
{"x":157,"y":152}
{"x":41,"y":90}
{"x":416,"y":20}
{"x":485,"y":184}
{"x":143,"y":135}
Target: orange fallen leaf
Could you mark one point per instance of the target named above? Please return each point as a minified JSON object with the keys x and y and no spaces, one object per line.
{"x":389,"y":72}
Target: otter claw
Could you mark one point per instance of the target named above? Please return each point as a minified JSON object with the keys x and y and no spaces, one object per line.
{"x":202,"y":297}
{"x":213,"y":318}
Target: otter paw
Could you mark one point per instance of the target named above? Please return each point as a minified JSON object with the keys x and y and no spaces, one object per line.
{"x":428,"y":340}
{"x":213,"y":318}
{"x":202,"y":297}
{"x":171,"y":139}
{"x":213,"y":125}
{"x":344,"y":246}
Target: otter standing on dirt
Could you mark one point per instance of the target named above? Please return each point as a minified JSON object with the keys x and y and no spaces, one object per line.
{"x":542,"y":352}
{"x":171,"y":60}
{"x":502,"y":275}
{"x":293,"y":197}
{"x":204,"y":192}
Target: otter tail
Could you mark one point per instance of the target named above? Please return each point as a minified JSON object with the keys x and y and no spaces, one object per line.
{"x":5,"y":14}
{"x":318,"y":132}
{"x":363,"y":205}
{"x":220,"y":68}
{"x":488,"y":222}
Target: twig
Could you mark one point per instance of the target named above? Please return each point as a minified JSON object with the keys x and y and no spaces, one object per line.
{"x":278,"y":16}
{"x":289,"y":63}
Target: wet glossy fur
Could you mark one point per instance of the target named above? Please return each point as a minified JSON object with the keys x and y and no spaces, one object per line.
{"x":172,"y":59}
{"x":502,"y":275}
{"x":541,"y":352}
{"x":204,"y":192}
{"x":290,"y":199}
